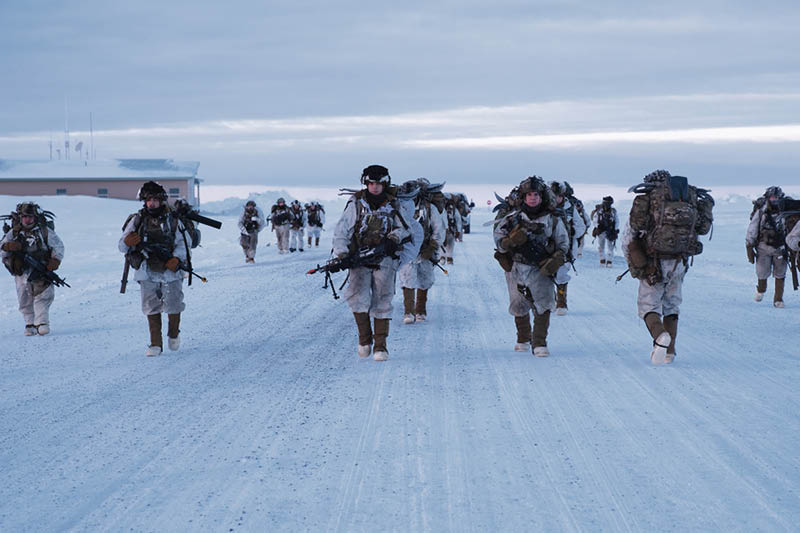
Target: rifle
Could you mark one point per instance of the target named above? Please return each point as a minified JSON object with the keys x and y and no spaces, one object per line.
{"x":183,"y":210}
{"x":39,"y":271}
{"x":162,"y":252}
{"x":125,"y":271}
{"x":367,"y":257}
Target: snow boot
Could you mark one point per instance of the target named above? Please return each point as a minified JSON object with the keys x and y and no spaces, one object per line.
{"x":761,"y":288}
{"x":777,"y":301}
{"x":408,"y":305}
{"x":381,"y":353}
{"x":561,"y":299}
{"x":449,"y":260}
{"x":523,"y":324}
{"x":422,"y":301}
{"x":541,"y":323}
{"x":292,"y":250}
{"x":309,"y":241}
{"x":661,"y":338}
{"x":609,"y":263}
{"x":316,"y":240}
{"x":43,"y":329}
{"x":31,"y":330}
{"x":173,"y":331}
{"x":154,"y":322}
{"x":364,"y":334}
{"x":671,"y":325}
{"x":602,"y":261}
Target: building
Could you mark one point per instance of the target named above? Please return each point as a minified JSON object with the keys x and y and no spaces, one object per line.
{"x":115,"y":178}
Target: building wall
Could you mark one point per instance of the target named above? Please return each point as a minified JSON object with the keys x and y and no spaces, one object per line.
{"x":122,"y":189}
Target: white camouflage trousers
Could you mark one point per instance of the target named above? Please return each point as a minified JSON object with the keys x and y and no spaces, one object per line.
{"x":372,"y":290}
{"x":542,"y":287}
{"x":282,"y":233}
{"x":665,"y":297}
{"x":34,"y":303}
{"x":296,"y":239}
{"x":314,"y":231}
{"x":249,"y":243}
{"x":603,"y":244}
{"x":517,"y":304}
{"x":449,"y":244}
{"x":162,"y":297}
{"x":416,"y":275}
{"x":770,"y":261}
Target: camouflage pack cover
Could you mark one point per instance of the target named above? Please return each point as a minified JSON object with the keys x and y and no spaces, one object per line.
{"x":670,"y":214}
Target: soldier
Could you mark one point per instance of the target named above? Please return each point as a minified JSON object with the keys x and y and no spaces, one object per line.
{"x":155,"y":243}
{"x":297,"y":221}
{"x":579,"y":239}
{"x":375,"y":218}
{"x":666,"y":217}
{"x":518,"y":306}
{"x":454,"y":228}
{"x":281,"y":218}
{"x":532,"y":244}
{"x":316,"y":219}
{"x":419,"y":274}
{"x":575,"y":226}
{"x":765,"y":244}
{"x":250,"y":224}
{"x":606,"y":230}
{"x":32,"y":235}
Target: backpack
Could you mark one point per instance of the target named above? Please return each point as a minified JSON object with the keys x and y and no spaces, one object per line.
{"x":671,"y":214}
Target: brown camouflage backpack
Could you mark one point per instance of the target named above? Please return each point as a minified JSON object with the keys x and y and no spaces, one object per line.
{"x":670,"y":214}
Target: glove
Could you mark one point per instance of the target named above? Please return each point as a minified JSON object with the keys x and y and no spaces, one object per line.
{"x":132,"y":239}
{"x":596,"y":231}
{"x":550,"y":266}
{"x":518,"y":236}
{"x":505,"y":260}
{"x":636,"y":254}
{"x":428,"y":251}
{"x":12,"y":246}
{"x":751,"y":254}
{"x":53,"y":264}
{"x":173,"y":263}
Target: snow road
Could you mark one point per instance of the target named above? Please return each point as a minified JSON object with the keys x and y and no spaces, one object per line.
{"x":267,"y":420}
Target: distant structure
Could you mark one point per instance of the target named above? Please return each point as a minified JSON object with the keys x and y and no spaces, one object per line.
{"x":115,"y":178}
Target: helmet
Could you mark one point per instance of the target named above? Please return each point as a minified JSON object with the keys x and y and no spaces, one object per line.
{"x":27,"y":209}
{"x":151,"y":189}
{"x":376,"y":174}
{"x":280,"y":201}
{"x":250,"y":204}
{"x":558,"y":188}
{"x":657,"y":175}
{"x":774,"y":191}
{"x":296,"y":203}
{"x":532,"y":184}
{"x":608,"y":200}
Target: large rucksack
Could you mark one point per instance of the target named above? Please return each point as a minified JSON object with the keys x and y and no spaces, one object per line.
{"x":671,"y":214}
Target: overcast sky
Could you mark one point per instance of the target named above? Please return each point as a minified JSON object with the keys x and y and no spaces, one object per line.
{"x":297,"y":92}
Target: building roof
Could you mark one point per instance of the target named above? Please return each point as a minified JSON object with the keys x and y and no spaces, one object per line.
{"x":111,"y":169}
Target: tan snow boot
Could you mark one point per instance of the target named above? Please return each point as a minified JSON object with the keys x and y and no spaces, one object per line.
{"x":154,"y":323}
{"x":561,"y":299}
{"x":381,"y":353}
{"x":523,"y":324}
{"x":671,"y":325}
{"x":661,"y":338}
{"x":541,"y":323}
{"x":173,"y":331}
{"x":408,"y":305}
{"x":421,"y":307}
{"x":761,"y":288}
{"x":364,"y":334}
{"x":777,"y":301}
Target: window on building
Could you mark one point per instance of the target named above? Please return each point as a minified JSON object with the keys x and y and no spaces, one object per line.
{"x":61,"y":192}
{"x":102,"y":193}
{"x":174,"y":192}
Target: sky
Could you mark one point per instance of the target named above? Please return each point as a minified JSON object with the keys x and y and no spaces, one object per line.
{"x":307,"y":93}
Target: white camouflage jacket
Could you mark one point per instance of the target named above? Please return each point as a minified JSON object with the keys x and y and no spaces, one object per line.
{"x":258,"y":218}
{"x":143,"y":273}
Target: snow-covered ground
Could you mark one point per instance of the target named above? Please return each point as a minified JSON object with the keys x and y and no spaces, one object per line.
{"x":267,"y":420}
